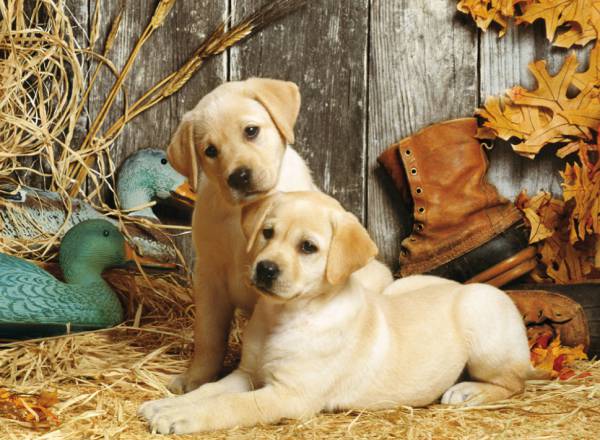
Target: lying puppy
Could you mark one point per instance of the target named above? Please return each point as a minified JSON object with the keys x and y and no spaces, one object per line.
{"x":239,"y":135}
{"x":319,"y":340}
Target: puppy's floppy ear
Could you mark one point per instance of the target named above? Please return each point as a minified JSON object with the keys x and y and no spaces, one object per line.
{"x":282,"y":101}
{"x":181,"y":152}
{"x":351,"y":248}
{"x":253,"y":217}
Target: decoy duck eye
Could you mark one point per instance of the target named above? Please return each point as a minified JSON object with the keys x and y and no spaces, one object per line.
{"x":106,"y":233}
{"x":211,"y":151}
{"x":251,"y":131}
{"x":308,"y":247}
{"x":163,"y":161}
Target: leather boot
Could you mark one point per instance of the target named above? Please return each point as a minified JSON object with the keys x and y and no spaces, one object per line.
{"x":463,"y":229}
{"x":563,"y":310}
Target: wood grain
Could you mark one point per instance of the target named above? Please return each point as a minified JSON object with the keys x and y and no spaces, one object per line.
{"x":322,"y":48}
{"x":370,"y":73}
{"x":423,"y":69}
{"x":169,"y":47}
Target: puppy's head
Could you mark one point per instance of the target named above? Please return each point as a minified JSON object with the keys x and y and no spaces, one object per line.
{"x":302,"y":244}
{"x":238,"y":134}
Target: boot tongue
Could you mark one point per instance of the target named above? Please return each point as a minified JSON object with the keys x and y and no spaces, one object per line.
{"x":390,"y":160}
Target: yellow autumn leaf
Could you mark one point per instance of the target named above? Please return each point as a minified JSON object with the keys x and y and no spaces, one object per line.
{"x":484,"y":12}
{"x":547,"y":114}
{"x":539,"y":231}
{"x":567,"y":22}
{"x":580,"y":33}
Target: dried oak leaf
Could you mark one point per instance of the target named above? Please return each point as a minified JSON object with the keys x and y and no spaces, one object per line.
{"x":546,"y":115}
{"x":581,"y":34}
{"x":555,"y":358}
{"x":542,"y":213}
{"x":551,"y":224}
{"x":484,"y":12}
{"x":34,"y":410}
{"x":582,"y":186}
{"x":592,"y":75}
{"x":557,"y":13}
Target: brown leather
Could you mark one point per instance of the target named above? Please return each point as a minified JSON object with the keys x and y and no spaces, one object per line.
{"x":563,"y":314}
{"x":455,"y":208}
{"x":390,"y":159}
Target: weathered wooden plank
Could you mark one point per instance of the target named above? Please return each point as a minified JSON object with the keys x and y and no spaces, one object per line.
{"x":322,"y":48}
{"x":182,"y":32}
{"x":423,"y":69}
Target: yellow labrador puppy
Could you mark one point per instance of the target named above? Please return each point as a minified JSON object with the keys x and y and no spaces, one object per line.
{"x":239,"y":135}
{"x":319,"y":340}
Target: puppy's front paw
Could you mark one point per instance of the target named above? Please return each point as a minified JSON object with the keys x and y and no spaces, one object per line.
{"x":149,"y":409}
{"x":175,"y":419}
{"x":183,"y":383}
{"x":463,"y":392}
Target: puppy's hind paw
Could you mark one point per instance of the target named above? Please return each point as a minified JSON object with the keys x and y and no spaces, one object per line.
{"x":463,"y":392}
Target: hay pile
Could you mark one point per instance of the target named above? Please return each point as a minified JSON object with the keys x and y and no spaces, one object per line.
{"x":102,"y":378}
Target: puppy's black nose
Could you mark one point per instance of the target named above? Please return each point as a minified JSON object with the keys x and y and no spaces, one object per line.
{"x":266,"y":272}
{"x":240,"y":179}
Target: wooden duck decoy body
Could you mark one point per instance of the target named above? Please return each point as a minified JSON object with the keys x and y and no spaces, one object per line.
{"x":28,"y":213}
{"x":33,"y":303}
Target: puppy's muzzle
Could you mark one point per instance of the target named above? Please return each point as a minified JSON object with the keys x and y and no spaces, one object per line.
{"x":240,"y":179}
{"x":266,"y":273}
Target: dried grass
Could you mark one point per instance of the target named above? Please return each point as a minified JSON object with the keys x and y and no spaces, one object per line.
{"x":102,"y":377}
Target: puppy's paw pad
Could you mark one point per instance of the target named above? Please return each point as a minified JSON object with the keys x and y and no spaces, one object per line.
{"x":460,"y":393}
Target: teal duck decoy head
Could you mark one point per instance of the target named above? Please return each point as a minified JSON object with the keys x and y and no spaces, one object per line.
{"x":35,"y":304}
{"x":147,"y":175}
{"x":30,"y":213}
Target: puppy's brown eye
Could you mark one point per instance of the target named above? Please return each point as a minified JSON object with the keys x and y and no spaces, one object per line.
{"x":268,"y":233}
{"x":211,"y":151}
{"x":251,"y":131}
{"x":308,"y":247}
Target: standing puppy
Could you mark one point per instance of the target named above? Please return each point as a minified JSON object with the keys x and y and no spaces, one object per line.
{"x":239,"y":134}
{"x":319,"y":340}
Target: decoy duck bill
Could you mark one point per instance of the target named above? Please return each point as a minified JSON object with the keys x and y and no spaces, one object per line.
{"x":184,"y":194}
{"x":131,"y":255}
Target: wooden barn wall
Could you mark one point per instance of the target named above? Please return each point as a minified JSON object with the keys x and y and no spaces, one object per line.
{"x":370,"y":72}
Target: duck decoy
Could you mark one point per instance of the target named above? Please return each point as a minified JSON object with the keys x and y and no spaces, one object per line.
{"x":35,"y":304}
{"x":147,"y":175}
{"x":29,"y":213}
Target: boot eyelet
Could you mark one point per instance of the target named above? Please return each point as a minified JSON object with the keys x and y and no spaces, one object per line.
{"x":419,"y":190}
{"x":419,"y":227}
{"x":414,"y":239}
{"x":408,"y":152}
{"x":413,"y":171}
{"x":421,"y":210}
{"x":404,"y":251}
